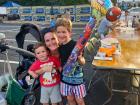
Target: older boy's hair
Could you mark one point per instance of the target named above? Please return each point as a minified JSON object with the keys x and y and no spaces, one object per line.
{"x":64,"y":22}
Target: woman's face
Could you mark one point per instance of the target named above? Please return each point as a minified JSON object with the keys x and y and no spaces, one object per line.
{"x":51,"y":41}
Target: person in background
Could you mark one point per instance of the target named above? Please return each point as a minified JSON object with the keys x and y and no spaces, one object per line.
{"x":124,"y":6}
{"x":59,"y":16}
{"x":134,"y":21}
{"x":104,"y":27}
{"x":71,"y":86}
{"x":53,"y":21}
{"x":126,"y":18}
{"x":67,"y":14}
{"x":48,"y":68}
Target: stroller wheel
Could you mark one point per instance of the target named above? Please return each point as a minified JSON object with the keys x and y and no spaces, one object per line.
{"x":29,"y":99}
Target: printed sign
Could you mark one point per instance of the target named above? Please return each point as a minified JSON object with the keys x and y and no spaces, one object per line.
{"x":82,"y":18}
{"x":71,"y":9}
{"x":38,"y":9}
{"x":14,"y":11}
{"x":26,"y":10}
{"x":54,"y":10}
{"x":26,"y":18}
{"x":84,"y":9}
{"x":48,"y":8}
{"x":39,"y":18}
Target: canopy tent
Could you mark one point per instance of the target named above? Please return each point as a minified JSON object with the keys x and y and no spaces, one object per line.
{"x":10,"y":4}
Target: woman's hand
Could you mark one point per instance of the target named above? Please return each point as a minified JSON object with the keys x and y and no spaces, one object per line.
{"x":35,"y":75}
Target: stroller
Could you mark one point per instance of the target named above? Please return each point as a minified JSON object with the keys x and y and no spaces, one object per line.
{"x":18,"y":91}
{"x":19,"y":84}
{"x":30,"y":85}
{"x":21,"y":71}
{"x":32,"y":88}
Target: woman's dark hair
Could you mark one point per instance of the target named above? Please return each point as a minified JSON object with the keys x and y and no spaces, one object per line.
{"x":46,"y":30}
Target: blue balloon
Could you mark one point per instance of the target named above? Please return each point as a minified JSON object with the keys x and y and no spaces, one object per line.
{"x":108,"y":4}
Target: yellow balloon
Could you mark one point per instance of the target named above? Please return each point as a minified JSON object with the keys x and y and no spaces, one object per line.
{"x":101,"y":5}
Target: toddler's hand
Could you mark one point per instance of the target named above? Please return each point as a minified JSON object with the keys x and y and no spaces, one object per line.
{"x":34,"y":75}
{"x":47,"y":67}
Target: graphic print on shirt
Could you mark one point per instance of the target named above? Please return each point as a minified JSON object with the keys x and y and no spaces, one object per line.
{"x":49,"y":77}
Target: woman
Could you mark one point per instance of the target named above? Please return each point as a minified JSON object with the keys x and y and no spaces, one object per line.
{"x":52,"y":44}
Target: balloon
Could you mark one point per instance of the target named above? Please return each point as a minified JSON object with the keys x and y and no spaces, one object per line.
{"x":113,"y":14}
{"x":101,"y":5}
{"x":105,"y":7}
{"x":70,"y":64}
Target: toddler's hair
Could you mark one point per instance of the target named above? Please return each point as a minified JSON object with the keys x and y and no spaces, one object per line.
{"x":65,"y":23}
{"x":37,"y":45}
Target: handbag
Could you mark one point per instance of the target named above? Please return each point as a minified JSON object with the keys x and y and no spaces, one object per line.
{"x":15,"y":93}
